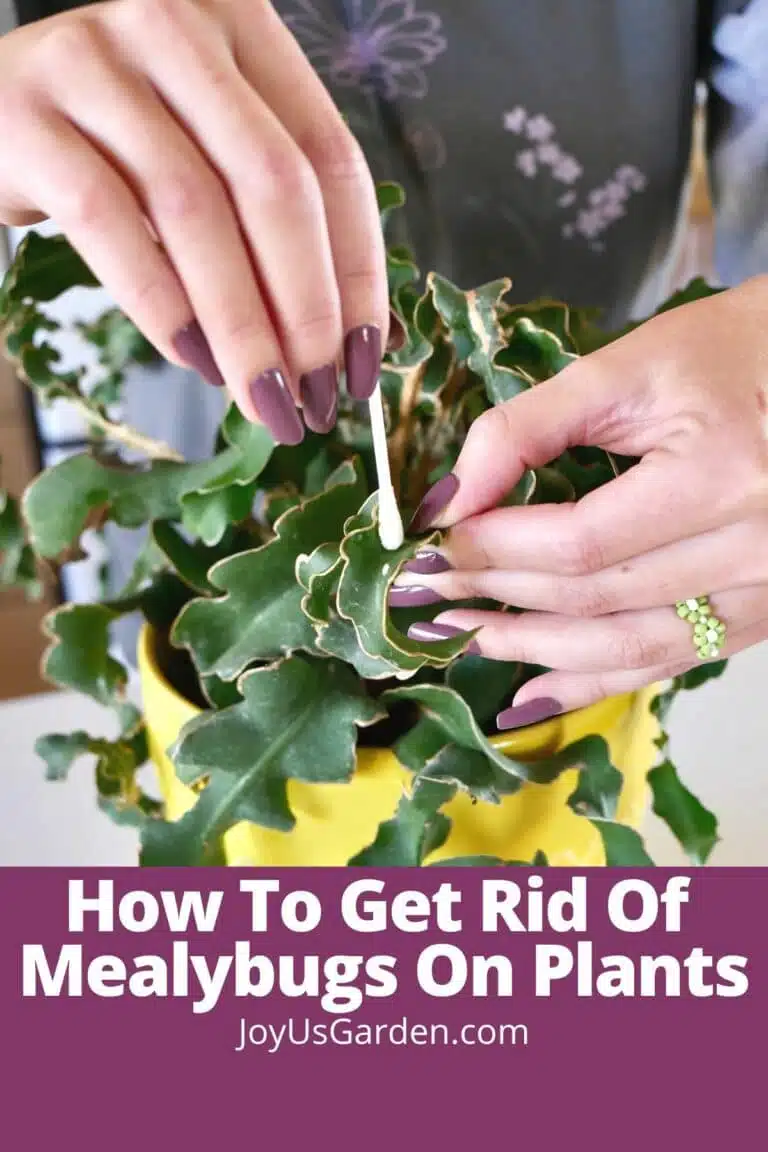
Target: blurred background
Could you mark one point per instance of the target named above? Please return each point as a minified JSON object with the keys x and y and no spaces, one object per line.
{"x":719,"y":733}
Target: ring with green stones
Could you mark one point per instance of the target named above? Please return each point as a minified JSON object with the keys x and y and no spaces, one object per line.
{"x":708,"y":632}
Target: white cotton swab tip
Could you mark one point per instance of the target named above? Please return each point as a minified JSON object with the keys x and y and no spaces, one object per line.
{"x":391,"y":532}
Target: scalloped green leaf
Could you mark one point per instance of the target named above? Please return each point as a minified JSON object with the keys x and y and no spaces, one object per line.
{"x":417,"y":828}
{"x":472,"y":319}
{"x":18,"y":568}
{"x":115,"y":771}
{"x":44,"y":267}
{"x":298,"y":720}
{"x":259,"y":616}
{"x":485,"y":685}
{"x":600,"y":783}
{"x":64,"y":499}
{"x":191,"y":559}
{"x":693,"y":825}
{"x":363,"y":592}
{"x":79,"y":656}
{"x":452,"y":747}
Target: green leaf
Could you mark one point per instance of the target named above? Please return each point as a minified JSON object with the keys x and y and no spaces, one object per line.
{"x":17,"y":560}
{"x":259,"y":617}
{"x":117,"y":763}
{"x":694,"y":826}
{"x":417,"y":828}
{"x":451,"y":747}
{"x":597,"y":792}
{"x":622,"y":845}
{"x":298,"y":720}
{"x":390,"y":197}
{"x":472,"y":319}
{"x":191,"y":559}
{"x":79,"y":656}
{"x":696,"y":289}
{"x":43,"y":268}
{"x":363,"y":595}
{"x":226,"y":497}
{"x":66,"y":498}
{"x":485,"y":685}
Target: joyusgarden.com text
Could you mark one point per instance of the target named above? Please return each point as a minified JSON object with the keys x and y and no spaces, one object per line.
{"x":190,"y":959}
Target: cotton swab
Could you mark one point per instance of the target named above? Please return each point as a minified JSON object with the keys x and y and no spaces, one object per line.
{"x":391,"y":532}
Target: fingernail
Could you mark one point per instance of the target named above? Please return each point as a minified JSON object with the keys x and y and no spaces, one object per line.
{"x":413,"y":596}
{"x":362,"y":360}
{"x":532,"y":712}
{"x":319,"y":392}
{"x":276,"y":408}
{"x":427,"y":563}
{"x":438,"y":498}
{"x":192,"y":347}
{"x":397,"y":334}
{"x":429,"y":631}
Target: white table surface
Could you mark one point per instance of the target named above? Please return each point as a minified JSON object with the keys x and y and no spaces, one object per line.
{"x":719,"y":740}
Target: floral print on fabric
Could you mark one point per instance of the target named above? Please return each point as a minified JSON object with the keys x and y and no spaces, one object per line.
{"x":383,"y":45}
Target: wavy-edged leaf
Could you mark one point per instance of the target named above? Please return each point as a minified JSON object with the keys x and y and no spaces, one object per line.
{"x":363,"y":593}
{"x":66,"y":498}
{"x":227,"y":496}
{"x":79,"y":657}
{"x":18,"y":568}
{"x":44,"y":267}
{"x":259,"y":616}
{"x":417,"y":828}
{"x":483,"y":684}
{"x":191,"y":559}
{"x":117,"y":763}
{"x":472,"y":319}
{"x":450,"y":745}
{"x":600,"y":783}
{"x":693,"y":825}
{"x":298,"y":720}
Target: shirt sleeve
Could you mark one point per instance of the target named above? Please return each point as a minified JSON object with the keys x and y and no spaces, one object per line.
{"x":737,"y":132}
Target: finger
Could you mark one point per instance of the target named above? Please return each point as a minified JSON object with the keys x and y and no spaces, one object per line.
{"x":274,"y":64}
{"x":702,"y":565}
{"x":656,"y":503}
{"x":70,"y":181}
{"x":557,"y":692}
{"x":270,"y":182}
{"x":624,"y":641}
{"x":189,"y":210}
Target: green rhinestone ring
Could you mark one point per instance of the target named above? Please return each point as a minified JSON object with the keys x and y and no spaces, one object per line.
{"x":708,"y":632}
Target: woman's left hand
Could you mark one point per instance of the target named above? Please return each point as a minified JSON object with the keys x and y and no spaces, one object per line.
{"x":687,"y":393}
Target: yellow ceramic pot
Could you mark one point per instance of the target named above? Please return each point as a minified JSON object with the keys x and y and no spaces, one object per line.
{"x":335,"y":821}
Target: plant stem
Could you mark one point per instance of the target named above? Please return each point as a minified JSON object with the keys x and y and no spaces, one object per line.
{"x":127,"y":436}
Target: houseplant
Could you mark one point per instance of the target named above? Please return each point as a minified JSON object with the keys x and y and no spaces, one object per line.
{"x":269,"y":658}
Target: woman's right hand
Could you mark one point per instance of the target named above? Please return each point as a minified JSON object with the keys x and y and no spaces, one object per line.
{"x":197,"y":163}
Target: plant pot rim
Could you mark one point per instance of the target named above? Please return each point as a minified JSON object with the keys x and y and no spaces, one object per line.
{"x":542,"y":737}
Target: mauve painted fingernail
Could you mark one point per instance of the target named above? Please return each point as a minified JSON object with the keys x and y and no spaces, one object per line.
{"x":438,"y":498}
{"x":413,"y":596}
{"x":362,"y":360}
{"x":192,"y":347}
{"x":429,"y":631}
{"x":427,"y":563}
{"x":319,"y":393}
{"x":397,"y":334}
{"x":275,"y":406}
{"x":532,"y":712}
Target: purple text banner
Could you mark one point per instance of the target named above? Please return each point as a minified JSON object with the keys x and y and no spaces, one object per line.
{"x":366,"y":1009}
